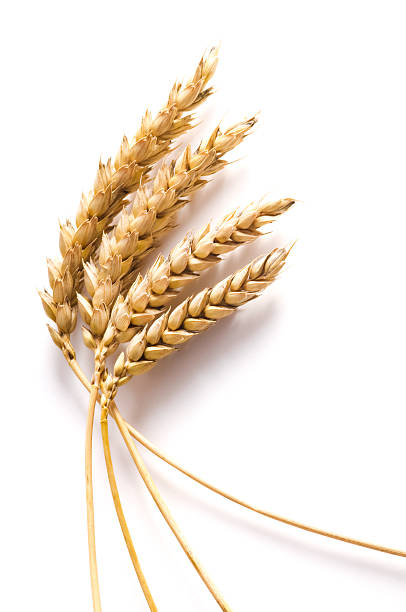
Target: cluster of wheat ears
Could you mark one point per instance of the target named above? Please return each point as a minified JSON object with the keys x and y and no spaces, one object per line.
{"x":117,"y":224}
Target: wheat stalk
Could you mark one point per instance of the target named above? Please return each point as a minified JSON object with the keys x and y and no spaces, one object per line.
{"x":120,"y":513}
{"x":91,"y":534}
{"x":165,"y":511}
{"x":77,"y":370}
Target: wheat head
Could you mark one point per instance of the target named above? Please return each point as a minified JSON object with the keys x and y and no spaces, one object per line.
{"x":114,"y":182}
{"x":194,"y":315}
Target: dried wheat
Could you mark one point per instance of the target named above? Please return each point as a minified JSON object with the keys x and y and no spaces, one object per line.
{"x":123,"y":307}
{"x":112,"y":185}
{"x":133,"y":160}
{"x":196,"y":253}
{"x":192,"y":316}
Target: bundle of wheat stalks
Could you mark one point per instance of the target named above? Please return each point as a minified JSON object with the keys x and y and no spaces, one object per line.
{"x":117,"y":224}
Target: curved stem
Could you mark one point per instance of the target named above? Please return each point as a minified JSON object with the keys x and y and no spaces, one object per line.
{"x":120,"y":513}
{"x":163,"y":508}
{"x":89,"y":495}
{"x":153,"y":449}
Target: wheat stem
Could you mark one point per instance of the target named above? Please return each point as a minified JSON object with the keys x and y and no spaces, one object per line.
{"x":153,"y":449}
{"x":163,"y":508}
{"x":89,"y":493}
{"x":75,"y":367}
{"x":120,"y":513}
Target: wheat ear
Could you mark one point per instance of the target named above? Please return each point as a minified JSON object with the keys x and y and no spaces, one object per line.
{"x":113,"y":183}
{"x":133,"y":160}
{"x":77,"y":370}
{"x":194,"y":315}
{"x":196,"y":253}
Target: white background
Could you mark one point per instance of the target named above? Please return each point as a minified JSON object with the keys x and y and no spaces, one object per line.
{"x":297,"y":403}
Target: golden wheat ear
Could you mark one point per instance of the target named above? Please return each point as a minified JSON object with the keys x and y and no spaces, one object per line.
{"x":192,"y":316}
{"x":151,"y":142}
{"x":79,"y":241}
{"x":199,"y":251}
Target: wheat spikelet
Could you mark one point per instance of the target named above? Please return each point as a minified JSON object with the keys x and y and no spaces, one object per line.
{"x":194,"y":315}
{"x":133,"y":160}
{"x":154,"y":208}
{"x":113,"y":183}
{"x":107,"y":314}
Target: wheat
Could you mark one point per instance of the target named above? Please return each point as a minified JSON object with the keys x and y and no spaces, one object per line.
{"x":194,"y":315}
{"x":116,"y":226}
{"x":138,"y":229}
{"x":147,"y":296}
{"x":133,"y":160}
{"x":196,"y":253}
{"x":112,"y":185}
